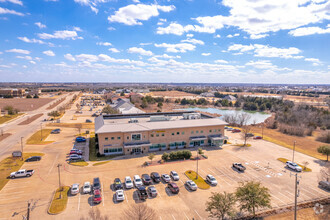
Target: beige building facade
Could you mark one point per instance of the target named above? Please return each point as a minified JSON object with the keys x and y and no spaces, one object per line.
{"x":149,"y":132}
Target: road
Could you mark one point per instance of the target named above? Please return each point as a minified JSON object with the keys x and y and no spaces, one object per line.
{"x":12,"y":142}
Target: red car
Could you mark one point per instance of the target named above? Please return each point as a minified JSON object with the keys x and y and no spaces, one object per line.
{"x":97,"y":198}
{"x":236,"y":131}
{"x":173,"y":187}
{"x":257,"y":137}
{"x":79,"y":152}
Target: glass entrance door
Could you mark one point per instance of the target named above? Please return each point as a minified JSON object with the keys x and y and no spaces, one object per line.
{"x":136,"y":150}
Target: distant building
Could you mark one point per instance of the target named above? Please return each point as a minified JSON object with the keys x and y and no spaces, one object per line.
{"x":230,"y":98}
{"x":126,"y":107}
{"x":12,"y":92}
{"x":207,"y":94}
{"x":147,"y":132}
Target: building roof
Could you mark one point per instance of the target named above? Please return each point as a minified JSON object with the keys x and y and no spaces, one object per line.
{"x":124,"y":126}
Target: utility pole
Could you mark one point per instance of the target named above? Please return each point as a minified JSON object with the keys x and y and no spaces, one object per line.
{"x":59,"y":178}
{"x":262,"y":131}
{"x":294,"y":148}
{"x":296,"y":195}
{"x":41,"y":131}
{"x":22,"y":146}
{"x":28,"y":211}
{"x":197,"y":166}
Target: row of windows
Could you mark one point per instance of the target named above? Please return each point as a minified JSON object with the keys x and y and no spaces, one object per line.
{"x":112,"y":138}
{"x":112,"y":150}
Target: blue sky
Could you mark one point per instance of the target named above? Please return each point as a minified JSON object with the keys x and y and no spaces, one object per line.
{"x":206,"y":41}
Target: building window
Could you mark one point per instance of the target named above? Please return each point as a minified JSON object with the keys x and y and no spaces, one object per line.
{"x":196,"y":132}
{"x":112,"y":138}
{"x":112,"y":150}
{"x":136,"y":137}
{"x":127,"y":138}
{"x":219,"y":130}
{"x":106,"y":138}
{"x":192,"y":132}
{"x":163,"y":134}
{"x":210,"y":131}
{"x":215,"y":130}
{"x":152,"y":135}
{"x":182,"y":133}
{"x":172,"y":133}
{"x":177,"y":133}
{"x":202,"y":132}
{"x":157,"y":135}
{"x":118,"y":138}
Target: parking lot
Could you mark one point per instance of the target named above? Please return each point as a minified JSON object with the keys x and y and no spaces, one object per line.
{"x":260,"y":161}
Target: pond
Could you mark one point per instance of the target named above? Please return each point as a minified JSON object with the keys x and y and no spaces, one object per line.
{"x":256,"y":117}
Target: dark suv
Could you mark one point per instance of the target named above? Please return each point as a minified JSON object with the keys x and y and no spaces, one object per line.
{"x":33,"y":158}
{"x":155,"y":177}
{"x":117,"y":184}
{"x":142,"y":193}
{"x":146,"y":179}
{"x":173,"y":187}
{"x":96,"y":184}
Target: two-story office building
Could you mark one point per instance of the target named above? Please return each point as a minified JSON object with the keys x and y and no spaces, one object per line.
{"x":147,"y":132}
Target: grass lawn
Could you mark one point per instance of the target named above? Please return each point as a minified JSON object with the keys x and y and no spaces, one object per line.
{"x":200,"y":182}
{"x":100,"y":163}
{"x":92,"y":134}
{"x":242,"y":145}
{"x":81,"y":163}
{"x":58,"y":204}
{"x":36,"y":137}
{"x":6,"y":118}
{"x":72,"y":125}
{"x":11,"y":164}
{"x":93,"y":152}
{"x":306,"y":169}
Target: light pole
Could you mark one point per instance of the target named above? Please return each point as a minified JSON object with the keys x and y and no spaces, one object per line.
{"x":59,"y":178}
{"x":22,"y":146}
{"x":41,"y":131}
{"x":294,"y":148}
{"x":262,"y":131}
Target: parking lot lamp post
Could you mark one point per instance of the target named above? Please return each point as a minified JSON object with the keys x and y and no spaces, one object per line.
{"x":41,"y":131}
{"x":262,"y":131}
{"x":294,"y":148}
{"x":59,"y":178}
{"x":22,"y":146}
{"x":197,"y":166}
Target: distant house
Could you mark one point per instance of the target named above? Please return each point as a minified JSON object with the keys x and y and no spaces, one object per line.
{"x":207,"y":94}
{"x":230,"y":98}
{"x":126,"y":107}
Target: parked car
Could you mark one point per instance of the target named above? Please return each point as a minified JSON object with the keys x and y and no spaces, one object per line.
{"x":293,"y":166}
{"x":325,"y":185}
{"x":128,"y":182}
{"x":120,"y":195}
{"x":22,"y":173}
{"x":211,"y":180}
{"x":155,"y":177}
{"x":239,"y":166}
{"x":73,"y":157}
{"x":88,"y":121}
{"x":230,"y":128}
{"x":75,"y":151}
{"x":80,"y":139}
{"x":87,"y":188}
{"x":226,"y":127}
{"x":173,"y":188}
{"x":117,"y":184}
{"x":33,"y":158}
{"x":96,"y":184}
{"x":56,"y":131}
{"x":236,"y":131}
{"x":142,"y":193}
{"x":249,"y":135}
{"x":146,"y":179}
{"x":152,"y":191}
{"x":137,"y":181}
{"x":93,"y":115}
{"x":191,"y":185}
{"x":74,"y":189}
{"x":257,"y":137}
{"x":166,"y":178}
{"x":175,"y":175}
{"x":97,"y":198}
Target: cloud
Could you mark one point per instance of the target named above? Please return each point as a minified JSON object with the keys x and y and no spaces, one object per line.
{"x":309,"y":31}
{"x":314,"y":60}
{"x":49,"y":53}
{"x":261,"y":64}
{"x":206,"y":54}
{"x":266,"y":51}
{"x":113,"y":50}
{"x":231,"y":36}
{"x":8,"y":11}
{"x":140,"y":51}
{"x":64,"y":35}
{"x":193,"y":41}
{"x":68,"y":56}
{"x":189,"y":35}
{"x":40,"y":25}
{"x":27,"y":40}
{"x":178,"y":29}
{"x":165,"y":56}
{"x":91,"y":3}
{"x":104,"y":43}
{"x":258,"y":36}
{"x":33,"y":62}
{"x":24,"y":57}
{"x":221,"y":61}
{"x":18,"y":2}
{"x":87,"y":57}
{"x":18,"y":51}
{"x":176,"y":48}
{"x":111,"y":28}
{"x":133,"y":14}
{"x":217,"y":36}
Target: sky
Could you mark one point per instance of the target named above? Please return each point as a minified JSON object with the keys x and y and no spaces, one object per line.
{"x":168,"y":41}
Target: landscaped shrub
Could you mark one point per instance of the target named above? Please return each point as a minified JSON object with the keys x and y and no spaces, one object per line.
{"x":165,"y":156}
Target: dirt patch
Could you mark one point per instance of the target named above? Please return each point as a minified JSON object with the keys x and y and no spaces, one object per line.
{"x":72,"y":125}
{"x":24,"y":104}
{"x":30,"y":119}
{"x":55,"y":104}
{"x":5,"y":135}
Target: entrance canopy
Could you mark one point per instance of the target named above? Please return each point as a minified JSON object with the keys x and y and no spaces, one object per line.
{"x":137,"y":144}
{"x":197,"y":138}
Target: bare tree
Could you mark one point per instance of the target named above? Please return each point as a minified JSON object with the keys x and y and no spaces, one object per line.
{"x":325,"y":173}
{"x":243,"y":119}
{"x":305,"y":163}
{"x":139,"y":212}
{"x":79,"y":127}
{"x":246,"y":133}
{"x":95,"y":214}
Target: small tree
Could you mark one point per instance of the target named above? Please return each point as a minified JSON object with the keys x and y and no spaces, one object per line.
{"x":246,"y":130}
{"x":28,"y":96}
{"x":109,"y":110}
{"x":35,"y":96}
{"x":151,"y":156}
{"x":305,"y":163}
{"x":139,"y":212}
{"x":54,"y":114}
{"x":95,"y":214}
{"x":160,"y":105}
{"x":10,"y":109}
{"x":325,"y":150}
{"x":165,"y":156}
{"x":325,"y":173}
{"x":251,"y":195}
{"x":199,"y":152}
{"x":221,"y":205}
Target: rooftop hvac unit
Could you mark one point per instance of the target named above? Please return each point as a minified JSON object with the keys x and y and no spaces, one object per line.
{"x":159,"y":118}
{"x":189,"y":116}
{"x":133,"y":120}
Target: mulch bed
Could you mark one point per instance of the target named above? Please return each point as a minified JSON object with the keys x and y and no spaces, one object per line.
{"x":155,"y":163}
{"x":30,"y":119}
{"x":5,"y":135}
{"x":55,"y":104}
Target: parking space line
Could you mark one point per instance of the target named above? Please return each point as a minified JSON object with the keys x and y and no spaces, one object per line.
{"x":198,"y":214}
{"x":79,"y":202}
{"x":173,"y":217}
{"x":53,"y":164}
{"x":224,"y":175}
{"x":284,"y":195}
{"x":182,"y":182}
{"x":278,"y":199}
{"x":126,"y":197}
{"x":160,"y":217}
{"x":186,"y":215}
{"x":103,"y":194}
{"x":203,"y":172}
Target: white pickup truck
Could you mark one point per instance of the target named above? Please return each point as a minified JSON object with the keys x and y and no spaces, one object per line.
{"x":21,"y":173}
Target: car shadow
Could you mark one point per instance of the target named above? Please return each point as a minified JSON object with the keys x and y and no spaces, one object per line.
{"x":188,"y":189}
{"x":90,"y":201}
{"x":322,"y":163}
{"x":136,"y":197}
{"x":323,"y":189}
{"x":168,"y":192}
{"x":237,"y":170}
